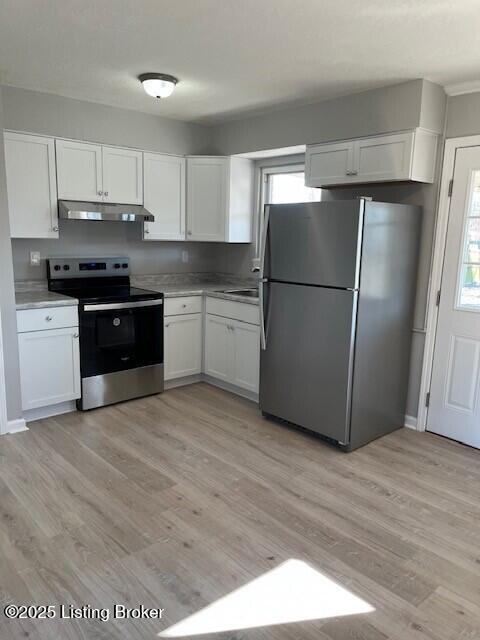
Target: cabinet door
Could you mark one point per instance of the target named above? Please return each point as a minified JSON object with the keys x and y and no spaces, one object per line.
{"x":46,"y":380}
{"x":207,"y":192}
{"x":31,"y":186}
{"x":122,"y":175}
{"x":164,"y":196}
{"x":79,"y":171}
{"x":327,"y":164}
{"x":183,"y":345}
{"x":218,"y":347}
{"x":246,"y":355}
{"x":384,"y":158}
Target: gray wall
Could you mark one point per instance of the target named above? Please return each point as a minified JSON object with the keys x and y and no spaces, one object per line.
{"x":52,"y":115}
{"x":7,"y":300}
{"x":403,"y":106}
{"x":97,"y":239}
{"x":463,"y":115}
{"x":372,"y":112}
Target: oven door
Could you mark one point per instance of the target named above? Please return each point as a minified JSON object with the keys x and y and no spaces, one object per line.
{"x":119,"y":336}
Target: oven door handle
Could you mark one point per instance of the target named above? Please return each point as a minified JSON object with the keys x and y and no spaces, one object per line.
{"x":122,"y":305}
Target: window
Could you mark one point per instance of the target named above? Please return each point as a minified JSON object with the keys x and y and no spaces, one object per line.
{"x":469,"y":280}
{"x":283,"y":185}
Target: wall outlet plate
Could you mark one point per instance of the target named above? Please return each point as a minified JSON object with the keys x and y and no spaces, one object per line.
{"x":34,"y":258}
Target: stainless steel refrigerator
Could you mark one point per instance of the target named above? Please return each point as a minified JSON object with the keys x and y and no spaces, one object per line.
{"x":337,"y":288}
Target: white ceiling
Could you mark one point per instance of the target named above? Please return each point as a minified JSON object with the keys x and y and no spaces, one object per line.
{"x":234,"y":56}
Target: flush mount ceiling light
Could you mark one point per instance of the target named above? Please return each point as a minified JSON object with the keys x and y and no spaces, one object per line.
{"x":158,"y":85}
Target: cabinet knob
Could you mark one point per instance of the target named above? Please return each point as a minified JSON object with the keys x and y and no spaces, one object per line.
{"x":167,"y":325}
{"x":184,"y":306}
{"x":100,"y":193}
{"x":189,"y":233}
{"x":105,"y":193}
{"x":55,"y":229}
{"x":48,"y":318}
{"x":76,"y":335}
{"x":146,"y":230}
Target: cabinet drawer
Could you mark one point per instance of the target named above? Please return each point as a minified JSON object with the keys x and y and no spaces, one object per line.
{"x":179,"y":306}
{"x":236,"y":310}
{"x":46,"y":318}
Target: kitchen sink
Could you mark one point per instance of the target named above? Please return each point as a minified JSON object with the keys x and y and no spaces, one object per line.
{"x":248,"y":293}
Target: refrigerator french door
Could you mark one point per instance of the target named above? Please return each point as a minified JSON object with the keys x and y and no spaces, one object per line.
{"x":337,"y":285}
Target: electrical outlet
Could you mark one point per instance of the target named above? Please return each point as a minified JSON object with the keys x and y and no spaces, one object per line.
{"x":34,"y":258}
{"x":185,"y":256}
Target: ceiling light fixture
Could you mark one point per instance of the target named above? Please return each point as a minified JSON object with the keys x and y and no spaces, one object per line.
{"x":158,"y":85}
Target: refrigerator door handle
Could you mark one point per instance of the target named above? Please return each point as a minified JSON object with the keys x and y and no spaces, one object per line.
{"x":263,"y":334}
{"x":263,"y":244}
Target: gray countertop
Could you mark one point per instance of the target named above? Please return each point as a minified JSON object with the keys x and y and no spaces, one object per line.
{"x":42,"y":299}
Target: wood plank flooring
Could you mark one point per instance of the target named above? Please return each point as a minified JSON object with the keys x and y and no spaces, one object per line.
{"x":173,"y":501}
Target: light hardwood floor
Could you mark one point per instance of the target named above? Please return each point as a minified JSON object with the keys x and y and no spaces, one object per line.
{"x":178,"y":499}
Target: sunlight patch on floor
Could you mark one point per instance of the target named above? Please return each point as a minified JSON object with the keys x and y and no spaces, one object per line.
{"x":292,"y":592}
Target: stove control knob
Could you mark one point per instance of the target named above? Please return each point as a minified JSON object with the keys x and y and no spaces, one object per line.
{"x":66,"y":267}
{"x":125,"y":265}
{"x":116,"y":265}
{"x":57,"y":267}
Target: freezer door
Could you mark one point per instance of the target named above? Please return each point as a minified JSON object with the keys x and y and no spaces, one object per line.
{"x":315,"y":243}
{"x":306,"y":367}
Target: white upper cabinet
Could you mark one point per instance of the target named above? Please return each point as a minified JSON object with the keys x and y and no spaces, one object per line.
{"x":164,"y":196}
{"x":407,"y":156}
{"x":219,"y":199}
{"x":31,"y":186}
{"x":97,"y":173}
{"x":79,"y":171}
{"x":122,"y":175}
{"x":329,"y":162}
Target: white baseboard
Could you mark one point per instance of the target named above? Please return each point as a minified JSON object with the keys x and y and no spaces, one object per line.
{"x":249,"y":395}
{"x":16,"y":426}
{"x":411,"y":422}
{"x":48,"y":412}
{"x":182,"y":382}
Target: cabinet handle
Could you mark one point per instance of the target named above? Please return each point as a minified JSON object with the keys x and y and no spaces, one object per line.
{"x":48,"y":318}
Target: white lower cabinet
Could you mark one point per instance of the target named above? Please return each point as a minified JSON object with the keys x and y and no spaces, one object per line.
{"x":218,"y":347}
{"x":49,"y":366}
{"x":232,"y":351}
{"x":246,"y":355}
{"x":183,"y":345}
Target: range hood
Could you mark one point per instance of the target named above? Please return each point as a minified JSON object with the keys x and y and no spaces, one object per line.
{"x":69,"y":210}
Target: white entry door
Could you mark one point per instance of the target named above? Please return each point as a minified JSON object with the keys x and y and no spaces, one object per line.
{"x":454,"y":409}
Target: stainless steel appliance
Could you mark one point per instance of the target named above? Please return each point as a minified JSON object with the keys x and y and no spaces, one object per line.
{"x":337,"y":286}
{"x":121,"y":329}
{"x":98,"y":211}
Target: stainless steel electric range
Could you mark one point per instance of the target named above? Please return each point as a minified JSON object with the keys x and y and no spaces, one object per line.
{"x":121,"y":329}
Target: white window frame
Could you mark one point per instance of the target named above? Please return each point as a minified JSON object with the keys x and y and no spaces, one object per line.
{"x":263,"y":176}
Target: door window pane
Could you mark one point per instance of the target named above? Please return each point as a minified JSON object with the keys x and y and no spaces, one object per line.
{"x":469,"y":282}
{"x":285,"y":188}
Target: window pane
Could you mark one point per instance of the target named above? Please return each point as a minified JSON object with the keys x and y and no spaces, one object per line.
{"x":470,"y":291}
{"x":472,"y":240}
{"x":290,"y":187}
{"x":469,"y":281}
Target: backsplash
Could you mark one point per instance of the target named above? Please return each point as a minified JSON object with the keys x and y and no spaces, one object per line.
{"x":97,"y":239}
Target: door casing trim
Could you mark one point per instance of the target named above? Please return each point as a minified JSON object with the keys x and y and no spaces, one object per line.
{"x":441,"y":228}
